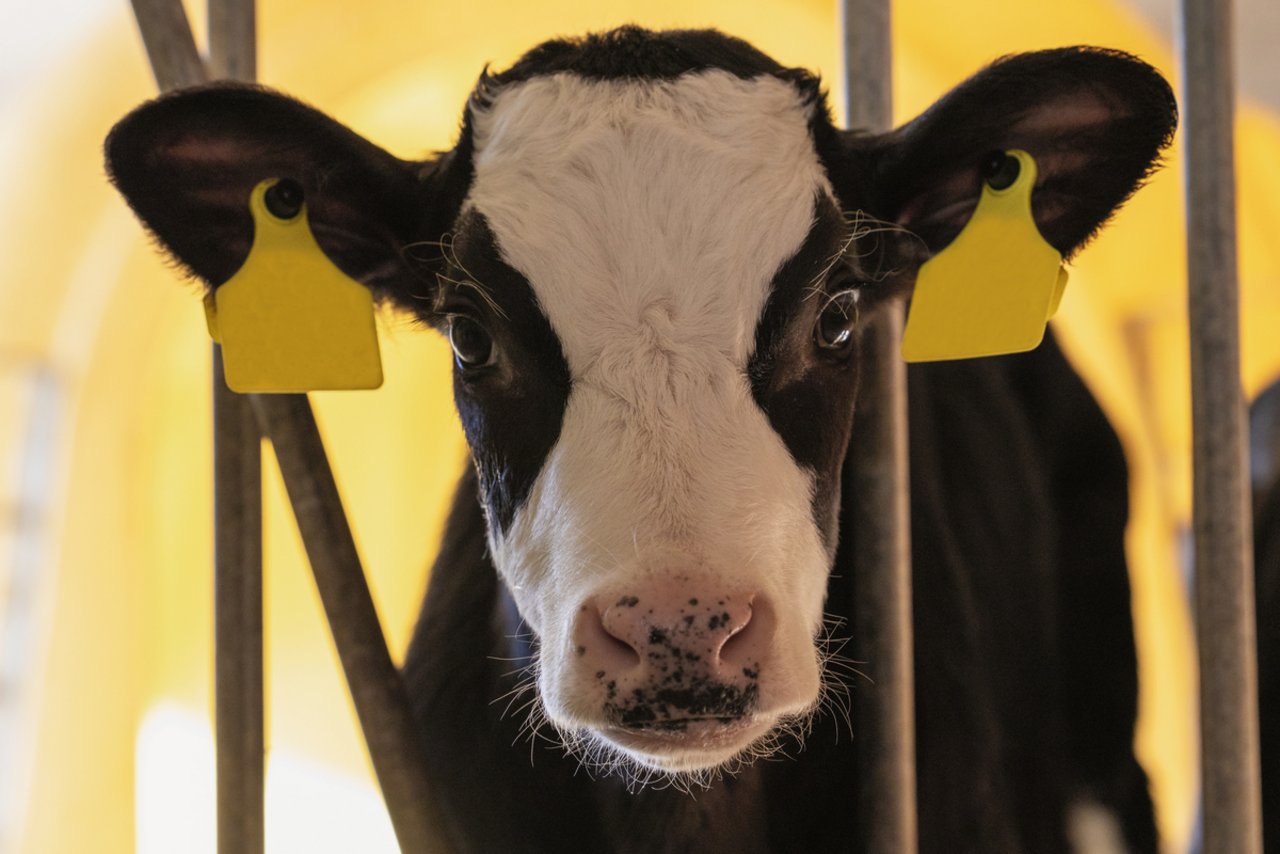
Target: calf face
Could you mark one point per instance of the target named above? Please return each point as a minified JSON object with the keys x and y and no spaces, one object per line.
{"x":653,"y":253}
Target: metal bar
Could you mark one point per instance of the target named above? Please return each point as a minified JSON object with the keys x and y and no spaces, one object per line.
{"x":171,"y":47}
{"x":239,"y":690}
{"x":233,"y":39}
{"x":1226,"y":630}
{"x":376,"y":686}
{"x":876,"y":472}
{"x":239,"y":719}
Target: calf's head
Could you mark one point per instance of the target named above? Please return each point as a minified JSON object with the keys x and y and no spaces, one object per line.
{"x":653,"y":254}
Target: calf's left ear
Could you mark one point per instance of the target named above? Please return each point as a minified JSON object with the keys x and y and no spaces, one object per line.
{"x":1095,"y":121}
{"x":188,"y":162}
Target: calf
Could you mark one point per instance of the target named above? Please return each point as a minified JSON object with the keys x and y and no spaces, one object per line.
{"x":653,"y":254}
{"x":1264,"y":427}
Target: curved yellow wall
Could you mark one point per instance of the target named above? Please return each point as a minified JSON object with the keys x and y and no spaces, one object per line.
{"x":126,"y":594}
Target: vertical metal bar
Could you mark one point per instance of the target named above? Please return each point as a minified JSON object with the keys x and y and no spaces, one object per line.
{"x":377,"y":689}
{"x":1222,"y":516}
{"x":233,"y":39}
{"x":238,"y":647}
{"x":239,"y":719}
{"x":876,"y":470}
{"x":239,"y":690}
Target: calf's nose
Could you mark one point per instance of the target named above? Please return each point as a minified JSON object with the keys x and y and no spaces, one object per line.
{"x":649,"y":633}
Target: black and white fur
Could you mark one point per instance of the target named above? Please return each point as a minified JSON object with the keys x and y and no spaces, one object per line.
{"x":653,"y":229}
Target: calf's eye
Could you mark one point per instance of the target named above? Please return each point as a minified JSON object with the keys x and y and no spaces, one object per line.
{"x":834,"y":331}
{"x":472,"y":346}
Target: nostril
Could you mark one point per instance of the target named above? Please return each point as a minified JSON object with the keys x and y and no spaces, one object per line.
{"x":617,"y":637}
{"x":749,"y":633}
{"x":739,"y":631}
{"x":600,"y":635}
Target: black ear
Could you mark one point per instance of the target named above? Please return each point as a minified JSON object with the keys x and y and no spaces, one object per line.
{"x":188,"y":161}
{"x":1094,"y":120}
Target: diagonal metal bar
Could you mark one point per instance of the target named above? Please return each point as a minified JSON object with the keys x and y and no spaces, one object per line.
{"x":171,"y":48}
{"x":876,"y":476}
{"x":1222,"y":517}
{"x":377,"y":689}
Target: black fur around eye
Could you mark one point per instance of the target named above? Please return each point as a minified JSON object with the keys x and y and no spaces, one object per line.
{"x":472,"y":346}
{"x":834,"y":331}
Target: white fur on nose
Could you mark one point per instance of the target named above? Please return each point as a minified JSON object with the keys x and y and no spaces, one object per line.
{"x":650,"y":218}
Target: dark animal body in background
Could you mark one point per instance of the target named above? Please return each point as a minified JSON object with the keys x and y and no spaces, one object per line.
{"x":652,"y":253}
{"x":1264,"y":431}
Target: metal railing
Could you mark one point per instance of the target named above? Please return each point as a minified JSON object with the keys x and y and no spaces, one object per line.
{"x":877,"y":479}
{"x":877,"y":465}
{"x":1221,"y":511}
{"x":240,"y":421}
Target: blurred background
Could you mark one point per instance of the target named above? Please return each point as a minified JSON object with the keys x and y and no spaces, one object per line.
{"x":105,"y":486}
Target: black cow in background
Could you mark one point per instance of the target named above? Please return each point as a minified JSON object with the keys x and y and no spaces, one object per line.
{"x":654,"y":254}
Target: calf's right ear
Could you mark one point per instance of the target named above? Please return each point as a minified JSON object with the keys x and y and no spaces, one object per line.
{"x":188,"y":161}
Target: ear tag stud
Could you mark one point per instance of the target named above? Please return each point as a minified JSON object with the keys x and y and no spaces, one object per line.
{"x":993,"y":290}
{"x":289,"y":320}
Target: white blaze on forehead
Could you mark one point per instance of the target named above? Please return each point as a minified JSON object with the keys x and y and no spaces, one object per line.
{"x":665,"y":205}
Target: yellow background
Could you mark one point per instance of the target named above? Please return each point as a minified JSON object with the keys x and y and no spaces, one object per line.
{"x":123,"y":613}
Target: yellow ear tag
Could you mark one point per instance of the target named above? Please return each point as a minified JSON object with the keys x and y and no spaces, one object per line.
{"x":289,"y":320}
{"x":993,"y":290}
